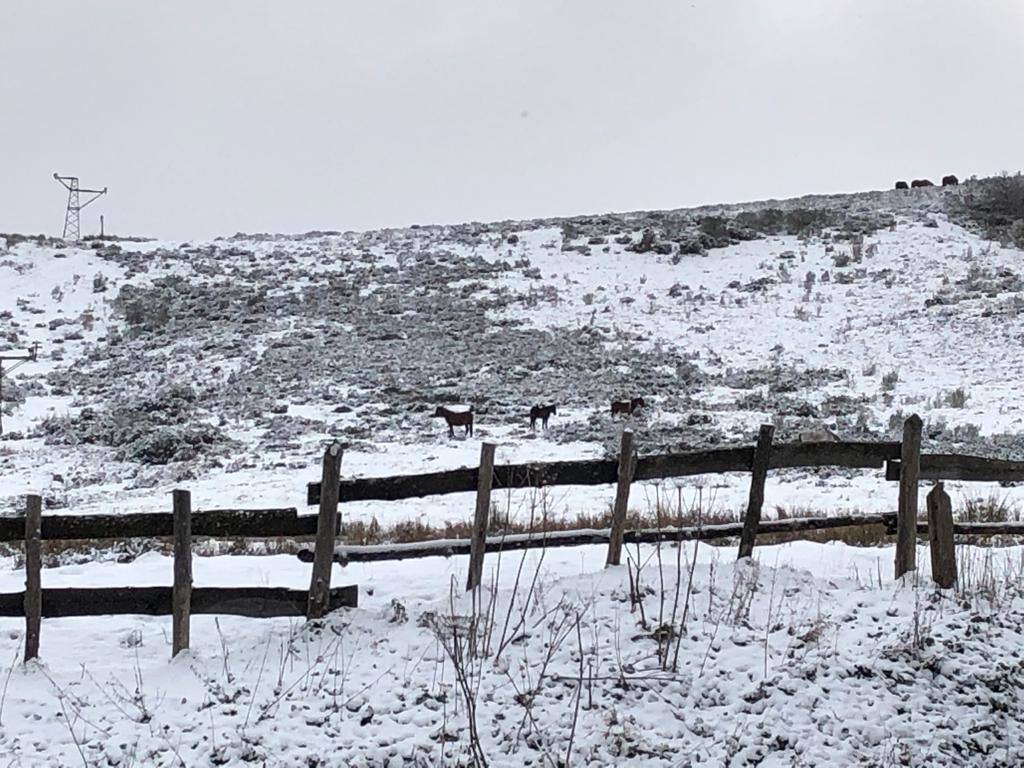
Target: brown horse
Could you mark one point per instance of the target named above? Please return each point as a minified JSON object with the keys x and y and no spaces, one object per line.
{"x":456,"y":419}
{"x":627,"y":407}
{"x":921,"y":183}
{"x":950,"y":181}
{"x":542,"y":412}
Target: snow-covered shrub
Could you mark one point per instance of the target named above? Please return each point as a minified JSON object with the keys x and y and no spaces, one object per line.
{"x":646,"y":244}
{"x":143,"y":308}
{"x":155,"y":428}
{"x":957,"y":398}
{"x":1016,"y":233}
{"x":996,"y":204}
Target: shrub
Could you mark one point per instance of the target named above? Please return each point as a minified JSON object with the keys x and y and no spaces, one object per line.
{"x":647,"y":241}
{"x":1016,"y":233}
{"x":996,"y":204}
{"x":157,"y":428}
{"x":715,"y":227}
{"x":992,"y":509}
{"x":957,"y":398}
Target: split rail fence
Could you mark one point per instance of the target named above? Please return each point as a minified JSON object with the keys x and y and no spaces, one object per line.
{"x":180,"y":600}
{"x":903,"y":462}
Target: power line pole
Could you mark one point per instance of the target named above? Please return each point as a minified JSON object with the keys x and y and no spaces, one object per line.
{"x":21,"y":359}
{"x":75,"y":205}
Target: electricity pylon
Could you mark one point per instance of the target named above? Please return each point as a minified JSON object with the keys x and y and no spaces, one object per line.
{"x":71,"y":230}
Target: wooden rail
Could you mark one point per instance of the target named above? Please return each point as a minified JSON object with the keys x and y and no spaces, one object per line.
{"x":256,"y":602}
{"x":449,"y":547}
{"x":213,"y":523}
{"x":951,"y":466}
{"x":854,"y":455}
{"x":345,"y":554}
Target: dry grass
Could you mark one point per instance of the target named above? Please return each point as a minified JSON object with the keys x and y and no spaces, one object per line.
{"x":989,"y":509}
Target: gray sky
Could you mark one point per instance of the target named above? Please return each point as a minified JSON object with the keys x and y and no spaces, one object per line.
{"x":206,"y":118}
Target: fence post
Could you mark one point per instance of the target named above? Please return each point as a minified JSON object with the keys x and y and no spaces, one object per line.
{"x":627,"y":465}
{"x":940,"y":537}
{"x":33,"y":577}
{"x":759,"y":470}
{"x":906,"y":516}
{"x":326,"y":524}
{"x":478,"y":544}
{"x":181,"y":595}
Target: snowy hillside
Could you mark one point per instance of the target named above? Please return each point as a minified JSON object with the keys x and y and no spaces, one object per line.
{"x":223,"y":367}
{"x":226,"y":365}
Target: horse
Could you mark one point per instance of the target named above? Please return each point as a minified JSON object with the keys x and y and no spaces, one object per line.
{"x":821,"y":433}
{"x":950,"y":181}
{"x":542,"y":412}
{"x":902,"y":185}
{"x":456,"y":419}
{"x":921,"y":183}
{"x":622,"y":406}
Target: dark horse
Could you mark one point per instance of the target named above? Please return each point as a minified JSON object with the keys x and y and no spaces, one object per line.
{"x":622,"y":406}
{"x":921,"y":183}
{"x":950,"y":181}
{"x":456,"y":419}
{"x":902,"y":185}
{"x":542,"y":412}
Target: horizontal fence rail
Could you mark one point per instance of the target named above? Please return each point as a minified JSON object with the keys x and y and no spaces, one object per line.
{"x":343,"y":555}
{"x":214,"y":523}
{"x":449,"y":547}
{"x":951,"y":466}
{"x":853,"y":455}
{"x":255,"y":602}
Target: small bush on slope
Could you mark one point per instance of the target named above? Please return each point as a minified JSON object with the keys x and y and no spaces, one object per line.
{"x":996,"y":204}
{"x":157,"y":428}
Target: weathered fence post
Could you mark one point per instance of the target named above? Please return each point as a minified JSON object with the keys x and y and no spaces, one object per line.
{"x":326,"y":524}
{"x":940,"y":537}
{"x":906,"y":516}
{"x":627,"y":465}
{"x":181,"y":595}
{"x":33,"y":577}
{"x":478,"y":544}
{"x":759,"y":469}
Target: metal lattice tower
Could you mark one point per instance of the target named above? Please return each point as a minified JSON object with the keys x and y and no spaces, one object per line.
{"x":75,"y":205}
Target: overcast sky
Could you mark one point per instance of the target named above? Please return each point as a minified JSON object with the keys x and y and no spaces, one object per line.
{"x":207,"y":118}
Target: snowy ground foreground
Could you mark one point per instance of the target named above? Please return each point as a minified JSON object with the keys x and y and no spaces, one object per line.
{"x":802,"y":331}
{"x":802,"y":658}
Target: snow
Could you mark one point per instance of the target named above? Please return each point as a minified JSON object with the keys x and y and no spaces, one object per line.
{"x":860,"y":330}
{"x":809,"y":655}
{"x":802,"y":656}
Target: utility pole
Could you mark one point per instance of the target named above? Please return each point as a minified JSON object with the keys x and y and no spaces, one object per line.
{"x":75,"y":205}
{"x":19,"y":360}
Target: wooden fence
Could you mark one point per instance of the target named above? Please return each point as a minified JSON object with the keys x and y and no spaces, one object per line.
{"x":903,"y":462}
{"x":180,"y":600}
